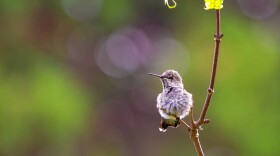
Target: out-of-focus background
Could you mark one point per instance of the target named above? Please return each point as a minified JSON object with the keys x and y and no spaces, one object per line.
{"x":73,"y":77}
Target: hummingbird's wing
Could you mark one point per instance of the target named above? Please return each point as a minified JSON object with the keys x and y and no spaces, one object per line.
{"x":184,"y":102}
{"x":159,"y":97}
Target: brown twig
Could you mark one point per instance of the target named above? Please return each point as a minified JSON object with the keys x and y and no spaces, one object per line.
{"x":186,"y":125}
{"x":195,"y":136}
{"x":195,"y":125}
{"x":218,"y":37}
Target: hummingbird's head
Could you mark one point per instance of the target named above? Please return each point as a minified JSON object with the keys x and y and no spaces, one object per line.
{"x":170,"y":78}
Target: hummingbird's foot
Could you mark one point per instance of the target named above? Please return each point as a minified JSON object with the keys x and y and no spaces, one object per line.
{"x":177,"y":123}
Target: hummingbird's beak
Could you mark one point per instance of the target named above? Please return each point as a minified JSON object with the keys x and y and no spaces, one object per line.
{"x":155,"y":75}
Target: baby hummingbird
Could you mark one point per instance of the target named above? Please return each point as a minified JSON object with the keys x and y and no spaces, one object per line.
{"x":174,"y":102}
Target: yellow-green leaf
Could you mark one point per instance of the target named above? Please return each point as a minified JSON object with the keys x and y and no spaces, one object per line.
{"x":166,"y":2}
{"x":213,"y":4}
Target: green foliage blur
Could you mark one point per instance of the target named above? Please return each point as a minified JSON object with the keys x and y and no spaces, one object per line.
{"x":73,"y":77}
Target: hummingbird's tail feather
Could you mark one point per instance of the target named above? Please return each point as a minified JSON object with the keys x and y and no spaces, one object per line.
{"x":165,"y":123}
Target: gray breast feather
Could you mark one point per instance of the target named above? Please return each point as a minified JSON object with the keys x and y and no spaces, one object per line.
{"x":176,"y":103}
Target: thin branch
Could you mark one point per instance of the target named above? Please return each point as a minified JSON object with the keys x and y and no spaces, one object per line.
{"x":218,"y":37}
{"x":195,"y":126}
{"x":191,"y":115}
{"x":195,"y":136}
{"x":186,"y":125}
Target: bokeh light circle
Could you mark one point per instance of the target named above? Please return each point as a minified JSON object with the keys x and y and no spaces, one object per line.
{"x":81,"y":9}
{"x":258,"y":9}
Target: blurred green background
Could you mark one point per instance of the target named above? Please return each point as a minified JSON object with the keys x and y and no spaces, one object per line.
{"x":73,"y":77}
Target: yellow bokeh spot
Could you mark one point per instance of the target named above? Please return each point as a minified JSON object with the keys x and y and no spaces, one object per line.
{"x":213,"y":4}
{"x":166,"y":2}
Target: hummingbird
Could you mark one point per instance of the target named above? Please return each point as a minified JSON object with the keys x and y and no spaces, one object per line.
{"x":174,"y":103}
